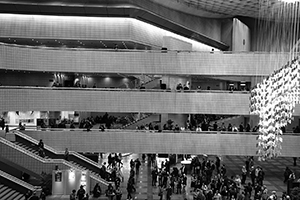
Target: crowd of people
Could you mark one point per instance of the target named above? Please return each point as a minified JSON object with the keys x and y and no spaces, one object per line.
{"x":210,"y":181}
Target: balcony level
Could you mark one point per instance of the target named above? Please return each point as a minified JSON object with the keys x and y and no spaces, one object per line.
{"x":137,"y":141}
{"x":125,"y":100}
{"x":80,"y":60}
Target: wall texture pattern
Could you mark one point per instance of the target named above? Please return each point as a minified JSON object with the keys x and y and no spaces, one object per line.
{"x":142,"y":62}
{"x":147,"y":142}
{"x":49,"y":99}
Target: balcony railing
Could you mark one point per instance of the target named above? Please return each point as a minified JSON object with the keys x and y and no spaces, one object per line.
{"x":122,"y":89}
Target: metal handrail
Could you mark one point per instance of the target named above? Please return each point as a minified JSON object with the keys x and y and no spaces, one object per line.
{"x":44,"y":160}
{"x":34,"y":141}
{"x":21,"y":149}
{"x":19,"y":182}
{"x":35,"y":128}
{"x":124,"y":89}
{"x":137,"y":50}
{"x":74,"y":153}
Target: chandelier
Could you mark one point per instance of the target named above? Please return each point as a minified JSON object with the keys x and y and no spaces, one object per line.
{"x":273,"y":100}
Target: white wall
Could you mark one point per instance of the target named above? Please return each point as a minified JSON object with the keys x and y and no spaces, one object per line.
{"x":172,"y":43}
{"x":241,"y":36}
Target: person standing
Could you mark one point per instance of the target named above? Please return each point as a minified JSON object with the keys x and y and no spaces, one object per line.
{"x":160,"y":192}
{"x":2,"y":123}
{"x":118,"y":194}
{"x":244,"y":175}
{"x":66,"y":155}
{"x":137,"y":165}
{"x":129,"y":190}
{"x":168,"y":193}
{"x":80,"y":193}
{"x":154,"y":176}
{"x":6,"y":130}
{"x":97,"y":190}
{"x":73,"y":195}
{"x":41,"y":144}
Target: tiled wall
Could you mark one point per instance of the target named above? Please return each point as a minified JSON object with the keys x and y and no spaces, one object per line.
{"x":142,"y":142}
{"x":123,"y":101}
{"x":183,"y":63}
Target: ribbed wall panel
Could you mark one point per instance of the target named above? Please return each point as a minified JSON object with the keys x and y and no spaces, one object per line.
{"x":182,"y":63}
{"x":146,"y":142}
{"x":123,"y":101}
{"x":58,"y":27}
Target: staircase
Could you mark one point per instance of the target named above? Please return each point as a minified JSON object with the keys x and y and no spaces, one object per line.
{"x":37,"y":164}
{"x":131,"y":124}
{"x":148,"y":118}
{"x":12,"y":188}
{"x":75,"y":159}
{"x":149,"y":80}
{"x":226,"y":121}
{"x":32,"y":148}
{"x":7,"y":193}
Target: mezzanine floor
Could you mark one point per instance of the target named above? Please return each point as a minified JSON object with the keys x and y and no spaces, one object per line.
{"x":274,"y":170}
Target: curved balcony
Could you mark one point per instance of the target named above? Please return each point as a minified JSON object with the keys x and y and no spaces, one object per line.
{"x":140,"y":62}
{"x":211,"y":143}
{"x":123,"y":100}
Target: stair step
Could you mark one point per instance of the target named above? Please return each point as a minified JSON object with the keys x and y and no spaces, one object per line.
{"x":8,"y":195}
{"x":19,"y":197}
{"x":2,"y":189}
{"x":22,"y":198}
{"x":4,"y":192}
{"x":14,"y":195}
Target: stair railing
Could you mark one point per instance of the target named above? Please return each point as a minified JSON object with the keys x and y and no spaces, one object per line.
{"x":74,"y":153}
{"x":136,"y":121}
{"x":19,"y":182}
{"x":34,"y":141}
{"x":57,"y":161}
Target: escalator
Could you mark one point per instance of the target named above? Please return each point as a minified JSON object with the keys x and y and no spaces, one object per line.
{"x":12,"y":188}
{"x":36,"y":164}
{"x":7,"y":193}
{"x":79,"y":161}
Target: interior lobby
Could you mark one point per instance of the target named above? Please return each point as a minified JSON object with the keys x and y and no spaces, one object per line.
{"x":189,"y":91}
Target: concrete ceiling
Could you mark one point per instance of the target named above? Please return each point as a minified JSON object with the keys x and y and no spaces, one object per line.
{"x":203,"y":8}
{"x":230,"y":8}
{"x":144,"y":10}
{"x":148,"y":11}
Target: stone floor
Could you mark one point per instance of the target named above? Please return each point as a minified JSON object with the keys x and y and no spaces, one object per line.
{"x":274,"y":170}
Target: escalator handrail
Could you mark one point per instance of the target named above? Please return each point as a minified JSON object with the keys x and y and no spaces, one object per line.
{"x":19,"y":182}
{"x":44,"y":160}
{"x":34,"y":141}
